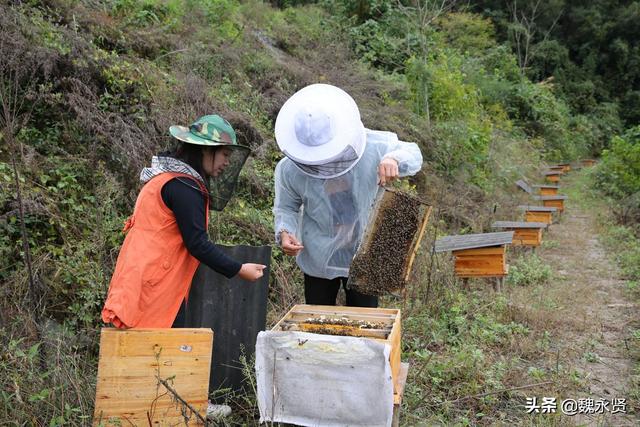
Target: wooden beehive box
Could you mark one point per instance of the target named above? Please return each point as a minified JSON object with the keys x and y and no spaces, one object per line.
{"x":553,"y":176}
{"x":538,"y":214}
{"x":478,"y":255}
{"x":132,"y":361}
{"x":547,"y":189}
{"x":556,"y":201}
{"x":524,"y":233}
{"x":566,"y":167}
{"x":380,"y":324}
{"x":558,"y":168}
{"x":588,"y":162}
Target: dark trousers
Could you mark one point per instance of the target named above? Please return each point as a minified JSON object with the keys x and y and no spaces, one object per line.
{"x":324,"y":292}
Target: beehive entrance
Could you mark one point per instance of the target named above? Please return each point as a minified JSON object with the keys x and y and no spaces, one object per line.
{"x":388,"y":247}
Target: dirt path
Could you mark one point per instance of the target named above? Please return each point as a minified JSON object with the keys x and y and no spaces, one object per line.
{"x":595,"y":314}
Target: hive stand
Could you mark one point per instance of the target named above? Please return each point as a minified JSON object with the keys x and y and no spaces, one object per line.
{"x":524,"y":233}
{"x":547,"y":189}
{"x":553,"y":201}
{"x":538,"y":213}
{"x":553,"y":176}
{"x":478,"y":255}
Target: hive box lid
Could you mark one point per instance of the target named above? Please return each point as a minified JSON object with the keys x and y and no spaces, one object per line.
{"x":471,"y":241}
{"x":518,"y":224}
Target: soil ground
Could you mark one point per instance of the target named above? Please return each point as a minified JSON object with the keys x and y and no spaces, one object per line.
{"x":593,"y":312}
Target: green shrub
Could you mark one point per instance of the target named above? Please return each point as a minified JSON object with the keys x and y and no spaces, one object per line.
{"x":529,"y":270}
{"x":618,"y":174}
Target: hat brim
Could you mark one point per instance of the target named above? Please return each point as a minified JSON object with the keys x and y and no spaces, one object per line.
{"x":183,"y":134}
{"x":347,"y":126}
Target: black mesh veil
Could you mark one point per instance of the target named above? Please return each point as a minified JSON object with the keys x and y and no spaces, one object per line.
{"x":221,"y":187}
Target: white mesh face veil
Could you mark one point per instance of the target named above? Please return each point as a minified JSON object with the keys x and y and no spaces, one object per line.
{"x":340,"y":166}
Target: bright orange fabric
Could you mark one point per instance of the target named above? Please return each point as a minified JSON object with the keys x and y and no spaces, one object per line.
{"x":154,"y":269}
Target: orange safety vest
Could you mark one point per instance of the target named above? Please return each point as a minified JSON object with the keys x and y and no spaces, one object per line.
{"x":154,"y":269}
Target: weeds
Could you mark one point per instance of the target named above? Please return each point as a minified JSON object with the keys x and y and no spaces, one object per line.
{"x":529,"y":270}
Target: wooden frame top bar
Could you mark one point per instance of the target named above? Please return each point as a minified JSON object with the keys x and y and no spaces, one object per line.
{"x":558,"y":197}
{"x":518,"y":224}
{"x":471,"y":241}
{"x":538,"y":208}
{"x":546,"y":186}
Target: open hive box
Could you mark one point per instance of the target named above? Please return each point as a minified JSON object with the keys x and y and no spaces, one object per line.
{"x":385,"y":256}
{"x":380,"y":324}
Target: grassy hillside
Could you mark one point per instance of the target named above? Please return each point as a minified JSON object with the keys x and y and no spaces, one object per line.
{"x":89,"y":90}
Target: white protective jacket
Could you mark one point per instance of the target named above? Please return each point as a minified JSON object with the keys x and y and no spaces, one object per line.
{"x":329,"y":216}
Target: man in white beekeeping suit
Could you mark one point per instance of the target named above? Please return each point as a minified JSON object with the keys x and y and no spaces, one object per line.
{"x":327,"y":183}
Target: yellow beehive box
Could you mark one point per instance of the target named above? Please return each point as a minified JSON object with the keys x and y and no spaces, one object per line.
{"x":538,"y":213}
{"x":524,"y":233}
{"x":478,"y":255}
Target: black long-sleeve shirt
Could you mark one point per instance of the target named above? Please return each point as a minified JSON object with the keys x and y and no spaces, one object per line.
{"x":184,"y":198}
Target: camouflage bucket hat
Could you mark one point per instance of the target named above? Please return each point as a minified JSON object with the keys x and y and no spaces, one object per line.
{"x":211,"y":130}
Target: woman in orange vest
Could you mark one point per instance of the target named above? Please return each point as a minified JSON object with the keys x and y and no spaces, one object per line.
{"x":167,"y":234}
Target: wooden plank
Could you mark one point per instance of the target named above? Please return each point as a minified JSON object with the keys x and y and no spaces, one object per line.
{"x":398,"y":393}
{"x":552,"y":173}
{"x":470,"y":241}
{"x":128,"y":391}
{"x":394,"y":340}
{"x":494,"y":250}
{"x":416,"y":244}
{"x":537,"y":208}
{"x":546,"y":186}
{"x":522,"y":184}
{"x":557,"y":197}
{"x":303,"y":316}
{"x":513,"y":225}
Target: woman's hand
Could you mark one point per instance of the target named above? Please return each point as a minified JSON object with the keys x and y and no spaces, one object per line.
{"x":388,"y":170}
{"x":290,"y":244}
{"x":251,"y":272}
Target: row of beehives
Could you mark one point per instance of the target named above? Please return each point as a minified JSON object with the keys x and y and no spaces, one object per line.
{"x":484,"y":255}
{"x":319,"y":364}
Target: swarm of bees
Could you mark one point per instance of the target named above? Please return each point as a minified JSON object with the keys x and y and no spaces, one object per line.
{"x":345,"y":321}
